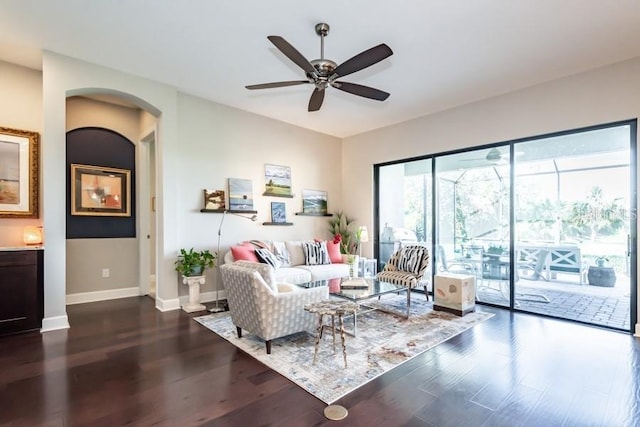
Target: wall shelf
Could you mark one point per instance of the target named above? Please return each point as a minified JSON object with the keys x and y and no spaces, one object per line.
{"x":289,"y":196}
{"x":313,"y":214}
{"x":277,"y":223}
{"x":233,"y":211}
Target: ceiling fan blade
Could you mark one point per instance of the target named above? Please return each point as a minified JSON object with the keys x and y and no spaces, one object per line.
{"x":277,"y":84}
{"x":291,"y":53}
{"x":363,"y":60}
{"x":315,"y":102}
{"x":360,"y":90}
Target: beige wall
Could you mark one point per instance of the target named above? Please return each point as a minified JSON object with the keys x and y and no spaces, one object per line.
{"x":219,"y":142}
{"x":120,"y":256}
{"x":603,"y":95}
{"x":20,"y":108}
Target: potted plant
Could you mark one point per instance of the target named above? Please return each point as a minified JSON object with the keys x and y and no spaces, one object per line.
{"x":340,"y":228}
{"x":193,"y":263}
{"x":601,"y":261}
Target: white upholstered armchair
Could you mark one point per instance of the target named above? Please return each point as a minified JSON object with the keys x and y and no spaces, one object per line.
{"x":264,"y":308}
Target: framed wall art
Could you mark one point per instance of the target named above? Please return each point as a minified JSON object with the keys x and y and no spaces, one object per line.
{"x":19,"y":175}
{"x":278,"y":212}
{"x":100,"y":191}
{"x":314,"y":202}
{"x":240,"y":194}
{"x":214,"y":200}
{"x":277,"y":181}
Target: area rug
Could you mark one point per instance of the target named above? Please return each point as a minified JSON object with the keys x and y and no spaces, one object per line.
{"x":384,"y":341}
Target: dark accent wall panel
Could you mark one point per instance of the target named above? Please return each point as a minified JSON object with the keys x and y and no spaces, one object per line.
{"x":100,"y":147}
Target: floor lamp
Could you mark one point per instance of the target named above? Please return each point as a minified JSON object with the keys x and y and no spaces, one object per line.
{"x":217,"y":308}
{"x":364,"y":237}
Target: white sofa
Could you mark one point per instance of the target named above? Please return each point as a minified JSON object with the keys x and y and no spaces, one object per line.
{"x":298,"y":271}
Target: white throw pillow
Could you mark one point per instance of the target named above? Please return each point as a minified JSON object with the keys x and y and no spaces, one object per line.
{"x":279,"y":249}
{"x":266,"y":271}
{"x":296,"y":252}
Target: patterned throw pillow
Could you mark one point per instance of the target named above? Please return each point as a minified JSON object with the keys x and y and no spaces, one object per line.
{"x":265,"y":256}
{"x":410,"y":259}
{"x":281,"y":252}
{"x":316,"y":253}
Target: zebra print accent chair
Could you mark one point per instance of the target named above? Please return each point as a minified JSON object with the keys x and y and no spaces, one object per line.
{"x":407,"y":267}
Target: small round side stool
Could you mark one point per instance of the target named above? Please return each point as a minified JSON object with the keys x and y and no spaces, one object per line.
{"x":331,"y":308}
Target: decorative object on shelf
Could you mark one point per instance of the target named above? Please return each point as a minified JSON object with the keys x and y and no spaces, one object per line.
{"x":278,"y":212}
{"x":277,"y":181}
{"x":340,"y":229}
{"x":193,"y":263}
{"x":310,"y":214}
{"x":362,"y":236}
{"x":214,"y":200}
{"x":217,"y":307}
{"x":314,"y":202}
{"x":32,"y":235}
{"x":100,"y":191}
{"x":19,"y":152}
{"x":240,"y":194}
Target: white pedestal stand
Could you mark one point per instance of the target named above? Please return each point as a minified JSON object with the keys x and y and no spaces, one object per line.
{"x":194,"y":283}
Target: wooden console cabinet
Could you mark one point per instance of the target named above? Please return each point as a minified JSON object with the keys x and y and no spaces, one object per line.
{"x":21,"y":290}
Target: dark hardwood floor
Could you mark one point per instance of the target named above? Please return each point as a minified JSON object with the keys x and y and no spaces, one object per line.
{"x":124,"y":363}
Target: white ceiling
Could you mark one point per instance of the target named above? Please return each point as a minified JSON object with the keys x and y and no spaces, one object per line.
{"x":446,"y":53}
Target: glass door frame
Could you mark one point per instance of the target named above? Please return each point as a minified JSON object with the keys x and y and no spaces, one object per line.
{"x":633,"y":220}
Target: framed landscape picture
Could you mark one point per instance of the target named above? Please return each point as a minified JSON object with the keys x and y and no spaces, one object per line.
{"x":278,"y":212}
{"x":277,"y":180}
{"x":100,"y":191}
{"x":314,"y":202}
{"x":19,"y":151}
{"x":214,"y":200}
{"x":240,"y":194}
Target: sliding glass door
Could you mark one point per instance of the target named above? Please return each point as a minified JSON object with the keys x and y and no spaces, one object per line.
{"x":546,"y":225}
{"x":404,"y":207}
{"x":473,"y":216}
{"x":573,"y":226}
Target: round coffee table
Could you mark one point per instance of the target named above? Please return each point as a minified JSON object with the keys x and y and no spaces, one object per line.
{"x":331,"y":308}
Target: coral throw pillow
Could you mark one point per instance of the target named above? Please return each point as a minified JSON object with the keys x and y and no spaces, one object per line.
{"x":244,"y":253}
{"x":334,"y":252}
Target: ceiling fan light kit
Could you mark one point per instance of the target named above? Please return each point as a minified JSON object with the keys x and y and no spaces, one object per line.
{"x":323,"y":72}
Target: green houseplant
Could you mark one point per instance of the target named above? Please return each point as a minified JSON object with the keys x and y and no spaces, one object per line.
{"x":193,"y":263}
{"x":340,"y":228}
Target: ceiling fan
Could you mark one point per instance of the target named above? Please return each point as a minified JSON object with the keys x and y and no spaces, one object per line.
{"x":323,"y":73}
{"x":494,"y":156}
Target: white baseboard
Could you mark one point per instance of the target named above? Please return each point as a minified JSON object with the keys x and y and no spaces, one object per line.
{"x":54,"y":323}
{"x":209,"y":296}
{"x":204,"y":297}
{"x":83,"y":297}
{"x":167,"y":305}
{"x":637,"y":334}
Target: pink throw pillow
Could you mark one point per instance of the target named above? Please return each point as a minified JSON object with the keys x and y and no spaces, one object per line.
{"x":334,"y":252}
{"x":244,"y":253}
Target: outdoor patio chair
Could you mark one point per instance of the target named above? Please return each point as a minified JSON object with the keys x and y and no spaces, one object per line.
{"x":532,"y":270}
{"x":457,"y":266}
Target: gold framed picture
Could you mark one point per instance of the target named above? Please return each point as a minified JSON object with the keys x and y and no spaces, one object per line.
{"x":100,"y":191}
{"x":19,"y":179}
